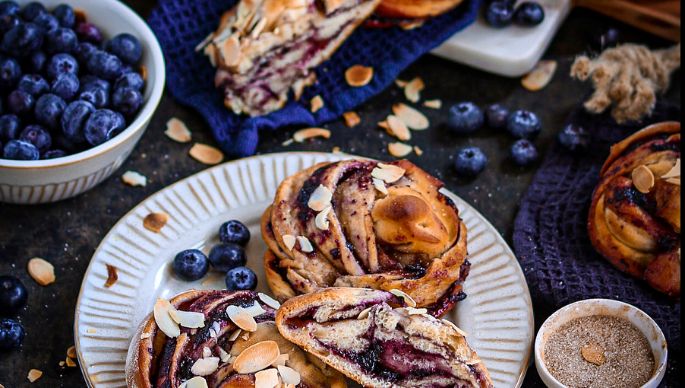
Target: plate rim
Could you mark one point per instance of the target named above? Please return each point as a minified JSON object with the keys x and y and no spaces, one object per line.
{"x":525,"y":365}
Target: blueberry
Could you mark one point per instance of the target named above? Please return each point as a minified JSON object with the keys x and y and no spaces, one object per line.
{"x":130,"y":80}
{"x":127,"y":101}
{"x":225,"y":257}
{"x":48,"y":111}
{"x":60,"y":64}
{"x":9,"y":8}
{"x":574,"y":138}
{"x":65,"y":14}
{"x":20,"y":102}
{"x":32,"y":10}
{"x":499,"y":13}
{"x":13,"y":295}
{"x":523,"y":152}
{"x":22,"y":39}
{"x":37,"y":61}
{"x":11,"y":334}
{"x":470,"y":161}
{"x":496,"y":116}
{"x":61,"y":142}
{"x":125,"y":46}
{"x":105,"y":65}
{"x":38,"y":136}
{"x":190,"y":264}
{"x":65,"y":86}
{"x":9,"y":127}
{"x":241,"y":278}
{"x":102,"y":125}
{"x":88,"y":32}
{"x":33,"y":84}
{"x":20,"y":150}
{"x":8,"y":22}
{"x":97,"y":93}
{"x":523,"y":124}
{"x":74,"y":120}
{"x":54,"y":154}
{"x":234,"y":231}
{"x":529,"y":13}
{"x":47,"y":22}
{"x":10,"y":72}
{"x":84,"y":51}
{"x":63,"y":40}
{"x":465,"y":117}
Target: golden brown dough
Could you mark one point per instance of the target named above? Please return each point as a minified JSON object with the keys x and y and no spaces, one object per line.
{"x":415,"y":9}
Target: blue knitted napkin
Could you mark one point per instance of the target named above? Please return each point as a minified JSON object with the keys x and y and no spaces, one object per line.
{"x":181,"y":24}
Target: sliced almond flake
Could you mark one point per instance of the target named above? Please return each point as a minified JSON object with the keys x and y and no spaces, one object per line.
{"x":195,"y":382}
{"x":288,"y":142}
{"x":316,"y":104}
{"x":384,"y":124}
{"x":163,"y":319}
{"x":281,"y":360}
{"x":336,"y":150}
{"x":311,"y":133}
{"x":245,"y":336}
{"x":321,"y":220}
{"x":387,"y":173}
{"x":358,"y":75}
{"x":289,"y":240}
{"x":320,"y":198}
{"x":256,"y":357}
{"x":399,"y":150}
{"x":206,"y":352}
{"x":351,"y":119}
{"x":71,"y":352}
{"x":177,"y":131}
{"x":401,"y":83}
{"x":412,"y":24}
{"x":643,"y":179}
{"x":41,"y":271}
{"x":540,"y":76}
{"x":364,"y":313}
{"x":674,"y":172}
{"x":255,"y":310}
{"x":234,"y":335}
{"x":34,"y":374}
{"x":418,"y":151}
{"x":305,"y":244}
{"x":214,"y":330}
{"x":433,"y":104}
{"x":112,"y":276}
{"x":205,"y":366}
{"x":269,"y":301}
{"x":411,"y":117}
{"x":70,"y":362}
{"x":455,"y":327}
{"x":230,"y":51}
{"x":134,"y":179}
{"x":413,"y":89}
{"x":206,"y":154}
{"x":266,"y":379}
{"x":154,"y":222}
{"x":407,"y":299}
{"x":397,"y":128}
{"x":189,"y":319}
{"x":379,"y":185}
{"x":241,"y":318}
{"x":288,"y":375}
{"x":223,"y":355}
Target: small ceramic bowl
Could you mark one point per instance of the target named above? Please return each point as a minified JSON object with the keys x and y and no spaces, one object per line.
{"x":41,"y":181}
{"x":608,"y":307}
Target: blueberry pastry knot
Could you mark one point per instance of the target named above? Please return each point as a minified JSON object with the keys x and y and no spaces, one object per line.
{"x":374,"y":339}
{"x":220,"y":339}
{"x":263,"y":49}
{"x":634,"y":219}
{"x":360,"y":223}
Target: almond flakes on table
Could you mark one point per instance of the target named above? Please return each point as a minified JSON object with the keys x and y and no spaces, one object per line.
{"x":540,"y":76}
{"x":34,"y":374}
{"x":351,"y":119}
{"x":41,"y":271}
{"x":134,"y":179}
{"x":397,"y":128}
{"x":316,"y":104}
{"x":399,"y":150}
{"x":206,"y":154}
{"x":411,"y":117}
{"x":418,"y":151}
{"x":413,"y":89}
{"x":154,"y":222}
{"x":433,"y":104}
{"x":358,"y":75}
{"x":177,"y":131}
{"x":112,"y":276}
{"x":311,"y":133}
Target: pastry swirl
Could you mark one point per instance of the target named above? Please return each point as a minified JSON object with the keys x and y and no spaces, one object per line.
{"x":398,"y":233}
{"x":216,"y":351}
{"x":634,"y":219}
{"x":368,"y":336}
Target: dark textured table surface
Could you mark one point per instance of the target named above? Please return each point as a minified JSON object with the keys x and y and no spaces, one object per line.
{"x":68,"y":232}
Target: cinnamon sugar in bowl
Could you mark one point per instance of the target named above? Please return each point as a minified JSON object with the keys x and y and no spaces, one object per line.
{"x":600,"y":343}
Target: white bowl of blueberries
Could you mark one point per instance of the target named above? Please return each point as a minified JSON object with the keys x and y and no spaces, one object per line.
{"x":79,"y":83}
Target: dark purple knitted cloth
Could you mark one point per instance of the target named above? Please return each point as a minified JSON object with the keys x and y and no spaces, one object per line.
{"x":550,"y":235}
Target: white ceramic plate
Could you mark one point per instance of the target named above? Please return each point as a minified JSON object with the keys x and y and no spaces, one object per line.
{"x":497,"y":313}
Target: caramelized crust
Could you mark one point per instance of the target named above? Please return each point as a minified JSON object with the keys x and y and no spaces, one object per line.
{"x":415,"y":9}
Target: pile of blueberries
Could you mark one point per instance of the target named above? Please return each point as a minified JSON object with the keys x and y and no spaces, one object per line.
{"x":502,"y":13}
{"x":13,"y":297}
{"x":228,"y":256}
{"x":63,"y":89}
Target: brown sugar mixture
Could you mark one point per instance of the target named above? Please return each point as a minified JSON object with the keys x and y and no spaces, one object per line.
{"x":599,"y":351}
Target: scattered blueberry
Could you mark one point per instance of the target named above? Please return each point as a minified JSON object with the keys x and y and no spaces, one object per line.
{"x":241,"y":278}
{"x":65,"y":14}
{"x":499,"y":13}
{"x":38,"y":136}
{"x":66,"y":86}
{"x":47,"y":22}
{"x":63,"y":40}
{"x":529,"y":13}
{"x":125,"y":46}
{"x":105,"y":65}
{"x":465,"y":117}
{"x":496,"y":116}
{"x":74,"y":120}
{"x":225,"y":257}
{"x":523,"y":152}
{"x":32,"y":10}
{"x":11,"y":334}
{"x":48,"y":111}
{"x":10,"y":72}
{"x":37,"y":61}
{"x":234,"y":232}
{"x":190,"y":264}
{"x":9,"y":127}
{"x":470,"y":161}
{"x":60,"y":64}
{"x":127,"y":101}
{"x":102,"y":125}
{"x":574,"y":138}
{"x":33,"y":84}
{"x":9,"y":8}
{"x":130,"y":80}
{"x":95,"y":92}
{"x":20,"y":102}
{"x":88,"y":32}
{"x":54,"y":154}
{"x":20,"y":150}
{"x":22,"y":39}
{"x":13,"y":295}
{"x":523,"y":124}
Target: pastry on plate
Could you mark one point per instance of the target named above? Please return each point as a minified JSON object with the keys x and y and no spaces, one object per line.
{"x":415,"y":9}
{"x":371,"y":338}
{"x":634,"y":219}
{"x":219,"y":339}
{"x":361,"y":223}
{"x":263,"y":49}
